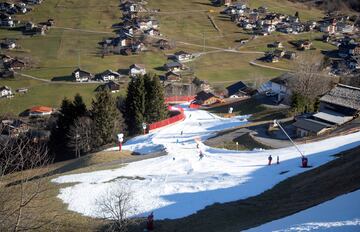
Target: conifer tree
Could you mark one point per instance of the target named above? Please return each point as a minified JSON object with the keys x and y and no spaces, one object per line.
{"x":149,"y":98}
{"x":79,"y":106}
{"x":68,"y":113}
{"x":106,"y":118}
{"x":155,"y":102}
{"x":135,"y":105}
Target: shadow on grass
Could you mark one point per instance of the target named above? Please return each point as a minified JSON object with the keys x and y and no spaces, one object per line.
{"x":63,"y":78}
{"x":331,"y":54}
{"x":123,"y":71}
{"x":203,"y":3}
{"x":160,"y":68}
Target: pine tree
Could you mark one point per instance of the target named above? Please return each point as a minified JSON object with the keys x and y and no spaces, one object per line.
{"x":106,"y":118}
{"x":155,"y":102}
{"x":59,"y":139}
{"x":149,"y":98}
{"x":135,"y":105}
{"x":79,"y":106}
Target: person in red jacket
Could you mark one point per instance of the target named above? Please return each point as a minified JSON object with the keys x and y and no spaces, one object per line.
{"x":150,"y":222}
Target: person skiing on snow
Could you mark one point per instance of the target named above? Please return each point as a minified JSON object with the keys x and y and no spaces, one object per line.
{"x":277,"y":160}
{"x":182,"y":132}
{"x":201,"y":155}
{"x":150,"y":222}
{"x":270,"y":159}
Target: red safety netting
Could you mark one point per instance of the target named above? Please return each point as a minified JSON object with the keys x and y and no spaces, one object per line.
{"x":194,"y":106}
{"x":179,"y":99}
{"x":169,"y":121}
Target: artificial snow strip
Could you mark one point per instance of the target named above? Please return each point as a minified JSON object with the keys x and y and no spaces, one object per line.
{"x":181,"y":183}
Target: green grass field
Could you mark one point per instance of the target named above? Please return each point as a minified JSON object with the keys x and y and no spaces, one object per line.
{"x":43,"y":94}
{"x":57,"y":54}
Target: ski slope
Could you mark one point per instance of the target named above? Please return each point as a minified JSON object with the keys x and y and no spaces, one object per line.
{"x":180,"y":184}
{"x":339,"y":214}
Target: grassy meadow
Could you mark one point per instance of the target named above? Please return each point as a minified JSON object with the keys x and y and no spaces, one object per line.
{"x":80,"y":25}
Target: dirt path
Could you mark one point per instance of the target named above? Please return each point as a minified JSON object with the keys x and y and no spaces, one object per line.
{"x":83,"y":30}
{"x":220,"y":49}
{"x":56,"y":82}
{"x":269,"y":67}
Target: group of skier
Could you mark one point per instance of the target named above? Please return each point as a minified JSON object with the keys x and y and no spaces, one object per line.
{"x":270,"y":160}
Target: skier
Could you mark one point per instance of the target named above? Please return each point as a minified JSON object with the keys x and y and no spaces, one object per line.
{"x":277,"y":160}
{"x":150,"y":222}
{"x":190,"y":116}
{"x":201,"y":155}
{"x":270,"y":159}
{"x":182,"y":132}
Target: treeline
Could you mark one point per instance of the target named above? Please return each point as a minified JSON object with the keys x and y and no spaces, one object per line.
{"x":79,"y":130}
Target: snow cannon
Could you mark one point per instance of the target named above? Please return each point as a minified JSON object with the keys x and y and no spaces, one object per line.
{"x":304,"y":162}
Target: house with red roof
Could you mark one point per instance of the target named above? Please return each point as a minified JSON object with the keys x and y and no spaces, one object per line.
{"x":39,"y":111}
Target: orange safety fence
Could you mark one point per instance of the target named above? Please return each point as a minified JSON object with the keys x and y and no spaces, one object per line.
{"x":169,"y":121}
{"x":194,"y":106}
{"x":179,"y":99}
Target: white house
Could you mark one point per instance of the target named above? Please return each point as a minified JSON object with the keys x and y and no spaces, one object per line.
{"x":278,"y":87}
{"x":137,"y":69}
{"x":147,"y":24}
{"x":81,"y":75}
{"x":345,"y":28}
{"x":328,"y":28}
{"x":5,"y":91}
{"x":174,"y":66}
{"x":183,"y":56}
{"x":109,"y":75}
{"x":9,"y":45}
{"x":269,"y":28}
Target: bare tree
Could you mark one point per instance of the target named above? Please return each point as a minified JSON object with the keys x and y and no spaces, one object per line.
{"x":22,"y":194}
{"x":80,"y":136}
{"x":310,"y":81}
{"x":117,"y":205}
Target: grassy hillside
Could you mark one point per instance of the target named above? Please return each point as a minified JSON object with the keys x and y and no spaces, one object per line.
{"x":80,"y":25}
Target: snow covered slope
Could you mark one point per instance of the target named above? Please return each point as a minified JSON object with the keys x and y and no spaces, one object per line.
{"x":179,"y":184}
{"x":339,"y":214}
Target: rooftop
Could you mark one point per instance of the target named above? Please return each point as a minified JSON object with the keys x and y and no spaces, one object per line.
{"x":236,"y":87}
{"x":343,"y":95}
{"x":203,"y":96}
{"x":41,"y":109}
{"x":332,"y":117}
{"x":311,"y":125}
{"x":283,"y":79}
